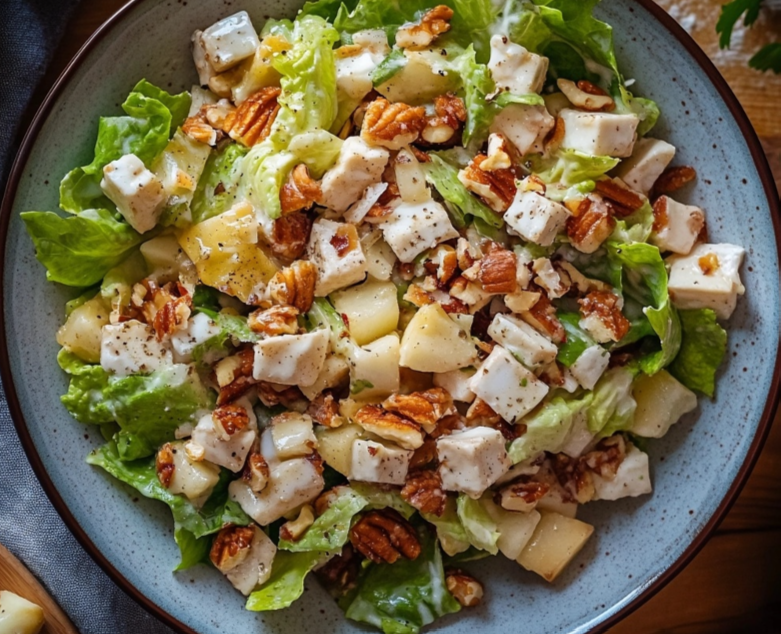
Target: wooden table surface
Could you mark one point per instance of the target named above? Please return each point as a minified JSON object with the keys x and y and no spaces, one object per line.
{"x":734,"y":583}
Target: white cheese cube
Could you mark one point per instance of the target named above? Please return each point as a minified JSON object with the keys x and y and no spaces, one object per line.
{"x":193,"y":479}
{"x":229,"y":41}
{"x":682,"y":225}
{"x":293,"y":435}
{"x":374,"y":368}
{"x":230,"y":453}
{"x":548,"y":279}
{"x":359,"y":165}
{"x":136,"y":191}
{"x":199,"y":330}
{"x":590,"y":365}
{"x":633,"y":478}
{"x":255,"y":567}
{"x":649,"y":159}
{"x":510,"y":389}
{"x":515,"y":69}
{"x":535,"y":218}
{"x":456,"y":382}
{"x":661,"y":401}
{"x":291,"y":359}
{"x":472,"y":460}
{"x":709,"y":277}
{"x":384,"y":463}
{"x":599,"y":133}
{"x":131,"y":347}
{"x":202,"y":65}
{"x":291,"y":483}
{"x":524,"y":126}
{"x":354,"y":72}
{"x":412,"y":228}
{"x":523,"y":341}
{"x":334,"y":248}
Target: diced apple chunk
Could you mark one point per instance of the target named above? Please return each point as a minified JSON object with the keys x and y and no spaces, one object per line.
{"x":372,"y":310}
{"x":433,"y":342}
{"x":661,"y":401}
{"x":555,"y":542}
{"x":515,"y":529}
{"x":82,"y":333}
{"x":335,"y":446}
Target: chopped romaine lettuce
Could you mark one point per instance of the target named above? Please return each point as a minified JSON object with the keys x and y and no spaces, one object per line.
{"x":217,"y":187}
{"x":577,"y":339}
{"x":570,"y":167}
{"x":450,"y":531}
{"x":612,"y":407}
{"x":286,"y":583}
{"x":703,"y":346}
{"x":480,"y":529}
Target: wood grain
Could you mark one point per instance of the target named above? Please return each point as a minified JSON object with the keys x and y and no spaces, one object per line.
{"x":15,"y":578}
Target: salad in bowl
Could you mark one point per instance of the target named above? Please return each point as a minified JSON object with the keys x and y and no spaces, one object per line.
{"x":395,"y":287}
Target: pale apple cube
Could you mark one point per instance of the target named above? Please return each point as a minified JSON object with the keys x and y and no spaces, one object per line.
{"x":334,"y":372}
{"x":632,"y":479}
{"x":661,"y":401}
{"x":193,"y":479}
{"x":681,"y":227}
{"x":515,"y":529}
{"x":472,"y":460}
{"x":131,"y":347}
{"x":291,"y":359}
{"x":515,"y":69}
{"x":354,"y":71}
{"x":590,"y":365}
{"x":456,"y":382}
{"x":411,"y":229}
{"x":135,"y":190}
{"x":423,"y":77}
{"x":526,"y":343}
{"x":599,"y":133}
{"x":358,"y":166}
{"x":229,"y":41}
{"x":536,"y":218}
{"x":525,"y":126}
{"x":20,"y":616}
{"x":555,"y":542}
{"x":510,"y":389}
{"x":380,"y":462}
{"x":372,"y":309}
{"x":255,"y":567}
{"x":374,"y":368}
{"x":335,"y":249}
{"x":709,"y":277}
{"x":334,"y":444}
{"x":293,"y":435}
{"x":649,"y":159}
{"x":435,"y":342}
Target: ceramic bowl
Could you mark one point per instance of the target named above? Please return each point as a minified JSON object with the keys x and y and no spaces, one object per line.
{"x":638,"y":544}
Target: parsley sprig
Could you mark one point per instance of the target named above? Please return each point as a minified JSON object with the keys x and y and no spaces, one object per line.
{"x":769,"y":56}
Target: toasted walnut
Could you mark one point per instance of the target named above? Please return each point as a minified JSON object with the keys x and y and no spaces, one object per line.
{"x":424,"y":455}
{"x":383,"y":536}
{"x":173,"y":316}
{"x":496,"y":186}
{"x":295,"y":285}
{"x":591,"y":226}
{"x":623,"y":200}
{"x":234,"y":375}
{"x":416,"y":296}
{"x":499,"y":154}
{"x":199,"y":129}
{"x":164,"y":464}
{"x":277,"y":320}
{"x":523,"y":494}
{"x":498,"y":271}
{"x":252,"y":120}
{"x":324,"y":410}
{"x":672,"y":179}
{"x":167,"y":308}
{"x":300,"y":190}
{"x":586,"y":96}
{"x":421,"y":34}
{"x":425,"y":408}
{"x":465,"y":589}
{"x":392,"y":125}
{"x":555,"y":137}
{"x":256,"y":471}
{"x":661,"y":218}
{"x":542,"y":316}
{"x":289,"y":397}
{"x":294,"y":530}
{"x":231,"y":547}
{"x":290,"y":236}
{"x":388,"y":425}
{"x":446,"y":425}
{"x":607,"y":456}
{"x":423,"y":490}
{"x":573,"y":475}
{"x":229,"y":419}
{"x":481,"y":413}
{"x":338,"y":575}
{"x":450,"y":114}
{"x":604,"y":307}
{"x":217,"y":113}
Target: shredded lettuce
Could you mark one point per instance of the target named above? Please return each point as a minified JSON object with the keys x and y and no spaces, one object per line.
{"x":480,"y":529}
{"x":286,"y":583}
{"x":218,"y":185}
{"x":703,"y":346}
{"x":577,"y":340}
{"x":570,"y":167}
{"x":450,"y":531}
{"x":612,"y":407}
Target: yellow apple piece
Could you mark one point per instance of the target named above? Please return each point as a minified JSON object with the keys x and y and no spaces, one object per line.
{"x":372,"y":309}
{"x":556,"y":540}
{"x":336,"y":446}
{"x":81,"y":333}
{"x":434,"y":342}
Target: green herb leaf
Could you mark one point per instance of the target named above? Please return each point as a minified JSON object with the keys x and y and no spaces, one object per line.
{"x":730,"y":14}
{"x":768,"y":58}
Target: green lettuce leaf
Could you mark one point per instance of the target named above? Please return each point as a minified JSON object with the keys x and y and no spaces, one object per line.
{"x":703,"y":346}
{"x":577,"y":339}
{"x":286,"y":583}
{"x":79,"y":250}
{"x":217,"y":187}
{"x":635,"y":227}
{"x":401,"y":598}
{"x":117,"y":285}
{"x":450,"y":531}
{"x":379,"y":498}
{"x":612,"y":407}
{"x":480,"y":529}
{"x":83,"y":398}
{"x":233,"y":329}
{"x":570,"y":167}
{"x":192,"y":550}
{"x":331,"y":530}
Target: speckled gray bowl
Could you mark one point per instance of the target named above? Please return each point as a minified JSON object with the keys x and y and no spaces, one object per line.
{"x":638,"y":545}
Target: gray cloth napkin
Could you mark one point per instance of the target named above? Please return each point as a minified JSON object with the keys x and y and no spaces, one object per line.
{"x":29,"y":526}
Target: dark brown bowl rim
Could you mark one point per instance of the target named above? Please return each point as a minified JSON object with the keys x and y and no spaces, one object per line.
{"x":762,"y":167}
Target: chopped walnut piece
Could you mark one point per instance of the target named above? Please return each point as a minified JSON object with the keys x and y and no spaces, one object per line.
{"x":591,"y":226}
{"x":289,"y":397}
{"x":231,"y":547}
{"x":383,"y":536}
{"x":172,"y":316}
{"x":293,"y":530}
{"x":388,"y":425}
{"x":522,"y":494}
{"x":623,"y":200}
{"x":573,"y":475}
{"x":252,"y":120}
{"x":586,"y":96}
{"x":423,"y":490}
{"x":672,"y":179}
{"x":194,"y":451}
{"x":496,"y":187}
{"x":604,"y":307}
{"x":295,"y":285}
{"x":425,"y":408}
{"x":198,"y":129}
{"x":416,"y":296}
{"x":607,"y":456}
{"x":291,"y":235}
{"x":446,"y":425}
{"x":465,"y":589}
{"x":256,"y":471}
{"x":392,"y":125}
{"x":229,"y":419}
{"x":424,"y":455}
{"x":661,"y":219}
{"x":338,"y":575}
{"x":167,"y":308}
{"x":164,"y":464}
{"x":324,"y":410}
{"x":300,"y":190}
{"x":498,"y":271}
{"x":421,"y":34}
{"x":234,"y":375}
{"x":277,"y":320}
{"x":498,"y":154}
{"x":543,"y":317}
{"x":481,"y":413}
{"x":450,"y":114}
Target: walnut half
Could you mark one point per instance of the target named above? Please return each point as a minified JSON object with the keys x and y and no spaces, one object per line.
{"x":465,"y":589}
{"x":384,"y":536}
{"x":423,"y":490}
